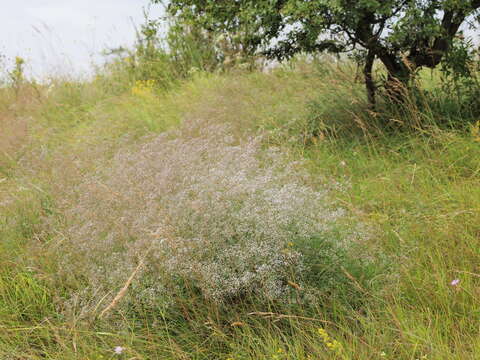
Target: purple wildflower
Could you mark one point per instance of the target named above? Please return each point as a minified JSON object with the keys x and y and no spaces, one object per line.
{"x":455,"y":282}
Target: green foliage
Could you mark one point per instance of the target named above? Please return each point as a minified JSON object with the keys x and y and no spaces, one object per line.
{"x":183,"y":51}
{"x":16,"y":75}
{"x":392,"y":25}
{"x":460,"y":65}
{"x":403,"y":35}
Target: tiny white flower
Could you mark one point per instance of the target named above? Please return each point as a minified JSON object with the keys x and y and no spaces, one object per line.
{"x":118,"y":350}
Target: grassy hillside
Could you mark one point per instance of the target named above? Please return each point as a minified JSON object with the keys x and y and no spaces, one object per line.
{"x":392,"y":274}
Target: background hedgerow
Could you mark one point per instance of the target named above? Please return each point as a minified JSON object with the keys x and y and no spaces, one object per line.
{"x":219,"y":213}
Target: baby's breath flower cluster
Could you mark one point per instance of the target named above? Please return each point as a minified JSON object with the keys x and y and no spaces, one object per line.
{"x":200,"y":206}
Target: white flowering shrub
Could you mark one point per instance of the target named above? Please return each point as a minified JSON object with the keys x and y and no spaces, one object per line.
{"x":199,"y":206}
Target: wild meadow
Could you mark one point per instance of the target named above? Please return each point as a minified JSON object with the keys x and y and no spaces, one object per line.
{"x":175,"y":207}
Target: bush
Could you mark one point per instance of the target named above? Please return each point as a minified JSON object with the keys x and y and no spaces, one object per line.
{"x":201,"y":208}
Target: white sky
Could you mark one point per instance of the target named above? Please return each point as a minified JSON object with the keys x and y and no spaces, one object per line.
{"x":66,"y":36}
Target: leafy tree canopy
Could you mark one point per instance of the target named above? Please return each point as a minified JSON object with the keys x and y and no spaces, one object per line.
{"x":403,"y":34}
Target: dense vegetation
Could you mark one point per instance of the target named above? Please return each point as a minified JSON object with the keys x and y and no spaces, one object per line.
{"x":183,"y":206}
{"x":405,"y":36}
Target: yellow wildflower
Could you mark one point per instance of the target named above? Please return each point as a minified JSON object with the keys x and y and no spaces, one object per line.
{"x":331,"y":344}
{"x":143,"y":88}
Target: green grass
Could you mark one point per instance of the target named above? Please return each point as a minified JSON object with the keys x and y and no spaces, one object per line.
{"x":419,"y":192}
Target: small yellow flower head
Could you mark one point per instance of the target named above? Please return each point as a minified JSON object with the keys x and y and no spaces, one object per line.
{"x":323,"y":333}
{"x":332,"y":345}
{"x":19,"y":61}
{"x":143,"y":88}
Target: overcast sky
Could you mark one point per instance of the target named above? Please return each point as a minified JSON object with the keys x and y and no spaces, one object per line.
{"x":67,"y":35}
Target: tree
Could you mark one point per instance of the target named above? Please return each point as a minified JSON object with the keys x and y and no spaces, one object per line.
{"x":405,"y":35}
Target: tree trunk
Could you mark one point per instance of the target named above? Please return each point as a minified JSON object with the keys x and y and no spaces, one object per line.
{"x":396,"y":88}
{"x":399,"y":74}
{"x":369,"y":82}
{"x":397,"y":83}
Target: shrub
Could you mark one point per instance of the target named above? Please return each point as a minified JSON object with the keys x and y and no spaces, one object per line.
{"x":203,"y":209}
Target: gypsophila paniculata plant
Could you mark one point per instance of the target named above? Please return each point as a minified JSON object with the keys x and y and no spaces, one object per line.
{"x":201,"y":207}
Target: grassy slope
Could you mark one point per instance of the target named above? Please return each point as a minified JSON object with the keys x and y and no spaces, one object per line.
{"x":421,"y":193}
